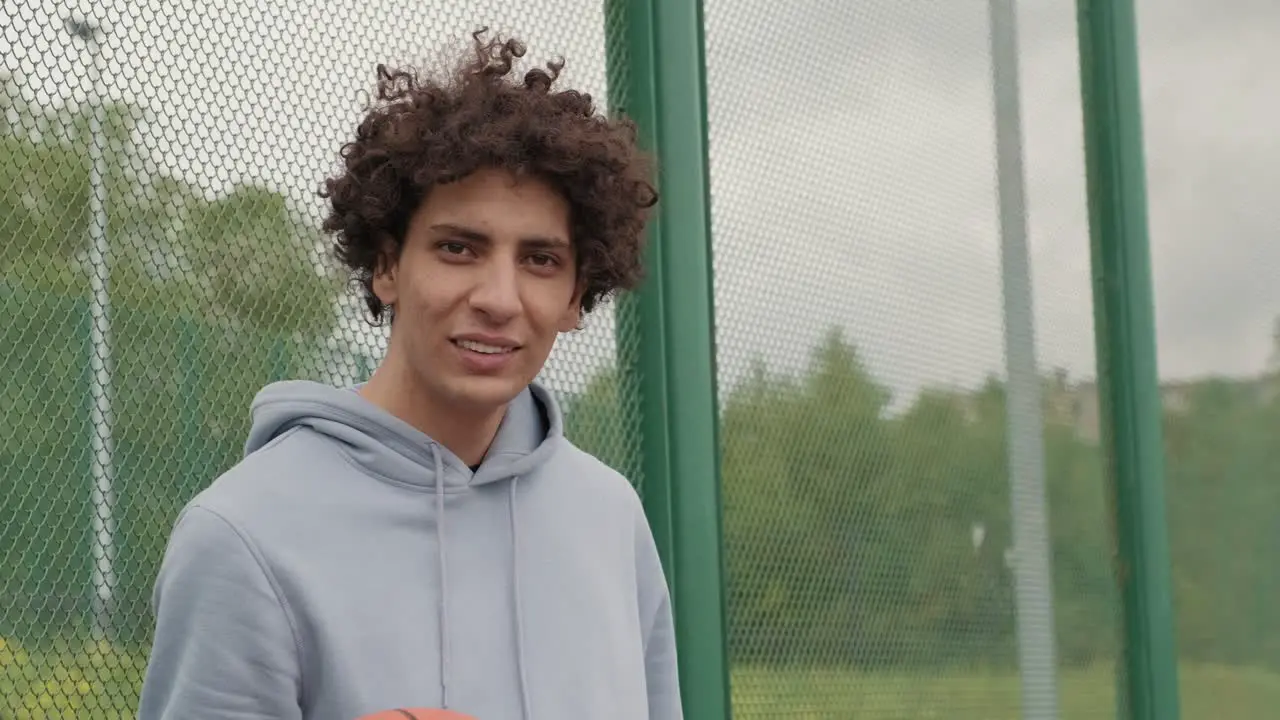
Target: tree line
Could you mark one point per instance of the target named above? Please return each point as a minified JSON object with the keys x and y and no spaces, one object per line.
{"x":858,"y":537}
{"x":210,"y":290}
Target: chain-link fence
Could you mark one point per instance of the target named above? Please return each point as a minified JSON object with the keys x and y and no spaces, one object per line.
{"x":889,"y":554}
{"x":1213,"y":159}
{"x":176,"y":156}
{"x":870,"y":466}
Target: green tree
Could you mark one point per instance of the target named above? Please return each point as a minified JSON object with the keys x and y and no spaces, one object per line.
{"x":1224,"y":497}
{"x":602,"y":421}
{"x":211,"y":296}
{"x":774,"y":542}
{"x":951,"y":469}
{"x":857,"y":537}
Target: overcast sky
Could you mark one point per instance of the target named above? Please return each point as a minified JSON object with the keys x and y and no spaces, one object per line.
{"x":852,"y":152}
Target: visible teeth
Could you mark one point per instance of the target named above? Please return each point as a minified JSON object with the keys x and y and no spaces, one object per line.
{"x":482,"y":348}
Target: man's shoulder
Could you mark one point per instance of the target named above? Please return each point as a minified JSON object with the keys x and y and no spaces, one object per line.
{"x":266,"y":480}
{"x":571,"y":461}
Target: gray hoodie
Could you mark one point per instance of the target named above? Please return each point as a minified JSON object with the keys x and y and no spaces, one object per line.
{"x":349,"y":564}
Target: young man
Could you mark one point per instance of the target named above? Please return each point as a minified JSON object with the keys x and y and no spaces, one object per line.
{"x":430,"y":538}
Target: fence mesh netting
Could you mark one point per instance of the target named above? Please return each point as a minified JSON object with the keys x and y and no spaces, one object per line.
{"x":177,"y":154}
{"x":867,"y":482}
{"x":159,"y":263}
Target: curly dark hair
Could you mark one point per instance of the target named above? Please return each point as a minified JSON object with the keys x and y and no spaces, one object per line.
{"x":425,"y":131}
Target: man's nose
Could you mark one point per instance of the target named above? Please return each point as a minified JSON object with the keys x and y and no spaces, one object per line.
{"x":497,"y":293}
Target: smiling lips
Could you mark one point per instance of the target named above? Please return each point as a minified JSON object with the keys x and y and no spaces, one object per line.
{"x":485,"y":355}
{"x":485,"y":348}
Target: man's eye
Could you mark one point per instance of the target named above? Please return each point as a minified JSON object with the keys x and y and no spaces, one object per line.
{"x":544,"y":260}
{"x":453,"y":248}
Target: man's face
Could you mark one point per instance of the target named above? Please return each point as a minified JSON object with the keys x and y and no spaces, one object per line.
{"x":484,"y":285}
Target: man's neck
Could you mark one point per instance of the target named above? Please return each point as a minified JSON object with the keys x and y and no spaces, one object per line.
{"x":399,"y":393}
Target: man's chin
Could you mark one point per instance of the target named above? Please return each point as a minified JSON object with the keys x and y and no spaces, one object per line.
{"x":484,"y":393}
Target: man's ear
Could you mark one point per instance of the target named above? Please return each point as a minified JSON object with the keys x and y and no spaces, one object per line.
{"x":384,"y":276}
{"x":572,"y":318}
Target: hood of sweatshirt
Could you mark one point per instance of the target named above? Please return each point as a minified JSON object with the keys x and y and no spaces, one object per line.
{"x":385,"y":446}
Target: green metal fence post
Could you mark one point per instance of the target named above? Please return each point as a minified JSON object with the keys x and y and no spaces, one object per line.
{"x":641,"y":351}
{"x":1128,"y":381}
{"x":659,"y":76}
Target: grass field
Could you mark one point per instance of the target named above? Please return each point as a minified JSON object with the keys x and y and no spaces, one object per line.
{"x":97,"y":682}
{"x":1207,"y":693}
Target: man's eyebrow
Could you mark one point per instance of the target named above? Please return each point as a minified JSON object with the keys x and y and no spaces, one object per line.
{"x":547,"y":243}
{"x":537,"y":241}
{"x":460,"y":231}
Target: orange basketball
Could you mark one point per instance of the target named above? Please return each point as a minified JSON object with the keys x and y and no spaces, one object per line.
{"x":416,"y":714}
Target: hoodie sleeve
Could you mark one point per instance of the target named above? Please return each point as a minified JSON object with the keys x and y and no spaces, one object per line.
{"x":661,"y":668}
{"x":224,"y":646}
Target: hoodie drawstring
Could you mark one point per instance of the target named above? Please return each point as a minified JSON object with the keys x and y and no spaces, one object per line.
{"x":515,"y":601}
{"x":444,"y":581}
{"x":525,"y":707}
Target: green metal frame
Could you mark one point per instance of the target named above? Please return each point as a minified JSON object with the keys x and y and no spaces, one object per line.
{"x":656,"y":76}
{"x":641,"y":351}
{"x":1128,"y":380}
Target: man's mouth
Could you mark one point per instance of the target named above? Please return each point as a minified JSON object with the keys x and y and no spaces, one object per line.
{"x":483,"y":348}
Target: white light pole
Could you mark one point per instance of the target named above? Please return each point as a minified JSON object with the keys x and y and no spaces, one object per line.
{"x":1033,"y":580}
{"x":100,"y":414}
